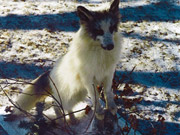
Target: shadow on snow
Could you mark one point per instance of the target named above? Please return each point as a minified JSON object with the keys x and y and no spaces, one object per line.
{"x":158,"y":127}
{"x":61,"y":22}
{"x":161,"y":11}
{"x":151,"y":79}
{"x":68,"y":21}
{"x":25,"y":71}
{"x":150,"y":38}
{"x":159,"y":79}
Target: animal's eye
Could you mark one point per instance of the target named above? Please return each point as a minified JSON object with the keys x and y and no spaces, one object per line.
{"x":99,"y":32}
{"x":113,"y":28}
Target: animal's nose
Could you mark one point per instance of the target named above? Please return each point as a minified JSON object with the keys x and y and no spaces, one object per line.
{"x":110,"y":46}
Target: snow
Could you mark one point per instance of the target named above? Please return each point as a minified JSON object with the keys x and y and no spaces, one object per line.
{"x":33,"y":34}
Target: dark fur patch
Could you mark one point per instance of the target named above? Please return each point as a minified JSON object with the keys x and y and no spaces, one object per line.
{"x":42,"y":84}
{"x":93,"y":26}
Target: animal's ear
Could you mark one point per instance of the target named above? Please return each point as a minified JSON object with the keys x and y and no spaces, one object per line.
{"x":84,"y":14}
{"x":114,"y":8}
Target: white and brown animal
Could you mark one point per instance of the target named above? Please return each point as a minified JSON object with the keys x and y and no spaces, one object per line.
{"x":90,"y":61}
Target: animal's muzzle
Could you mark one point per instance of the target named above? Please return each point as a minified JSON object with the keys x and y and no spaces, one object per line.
{"x":108,"y":47}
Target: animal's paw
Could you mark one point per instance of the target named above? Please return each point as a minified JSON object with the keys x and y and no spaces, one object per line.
{"x":100,"y":114}
{"x":113,"y":108}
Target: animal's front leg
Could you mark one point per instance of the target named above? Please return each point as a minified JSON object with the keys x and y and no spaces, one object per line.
{"x":109,"y":95}
{"x":94,"y":95}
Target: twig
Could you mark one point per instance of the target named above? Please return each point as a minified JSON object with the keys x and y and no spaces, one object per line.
{"x":70,"y":113}
{"x":123,"y":76}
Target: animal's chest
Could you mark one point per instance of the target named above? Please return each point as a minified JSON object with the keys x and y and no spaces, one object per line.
{"x":100,"y":64}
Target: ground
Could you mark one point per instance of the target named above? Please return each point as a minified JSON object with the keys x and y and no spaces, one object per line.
{"x":33,"y":34}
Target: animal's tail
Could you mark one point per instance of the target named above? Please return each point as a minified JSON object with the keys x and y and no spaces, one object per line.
{"x":36,"y":91}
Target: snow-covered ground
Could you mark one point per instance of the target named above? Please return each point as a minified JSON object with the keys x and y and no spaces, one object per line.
{"x":33,"y":34}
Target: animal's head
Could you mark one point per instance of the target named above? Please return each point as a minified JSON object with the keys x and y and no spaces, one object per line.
{"x":101,"y":26}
